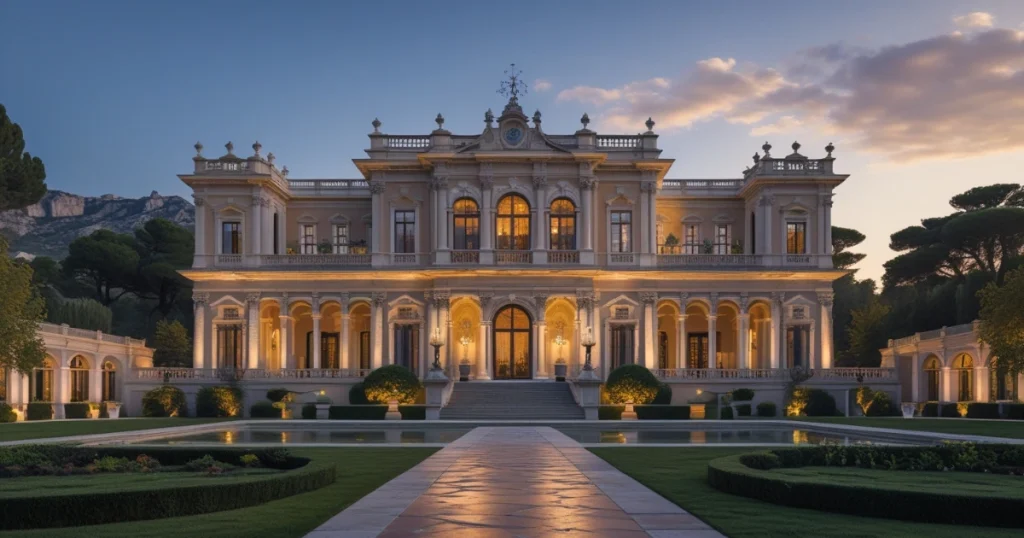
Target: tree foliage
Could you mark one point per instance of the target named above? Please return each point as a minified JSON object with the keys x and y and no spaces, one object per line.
{"x":21,"y":175}
{"x":172,"y":344}
{"x":163,"y":248}
{"x":21,"y":310}
{"x":1002,"y":321}
{"x":842,"y":240}
{"x":868,"y":333}
{"x":105,"y":261}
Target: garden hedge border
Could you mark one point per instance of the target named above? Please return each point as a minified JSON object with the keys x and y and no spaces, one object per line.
{"x":730,"y":476}
{"x":300,"y":475}
{"x":645,"y":412}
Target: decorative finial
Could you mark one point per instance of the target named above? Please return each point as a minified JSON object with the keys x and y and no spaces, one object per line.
{"x":488,"y":117}
{"x":230,"y":146}
{"x":284,"y":171}
{"x":830,"y":148}
{"x":270,"y":157}
{"x":439,"y":120}
{"x":650,"y":124}
{"x":767,"y":149}
{"x":536,"y":117}
{"x":757,"y":157}
{"x":199,"y":149}
{"x":796,"y":146}
{"x":513,"y":87}
{"x":256,"y":146}
{"x":376,"y":125}
{"x":585,"y":120}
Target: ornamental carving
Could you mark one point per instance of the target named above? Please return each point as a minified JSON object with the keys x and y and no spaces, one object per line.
{"x":541,"y":301}
{"x":584,"y":303}
{"x":540,"y":181}
{"x":778,"y":297}
{"x":587,"y":182}
{"x":826,"y":299}
{"x":376,"y":187}
{"x":199,"y":200}
{"x":744,"y":303}
{"x":200,"y":299}
{"x":485,"y":299}
{"x":648,"y":186}
{"x":253,"y":299}
{"x":256,"y":201}
{"x":439,"y":183}
{"x":378,"y":298}
{"x":648,"y":297}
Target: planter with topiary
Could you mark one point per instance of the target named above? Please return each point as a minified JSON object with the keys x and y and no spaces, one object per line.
{"x":323,"y":406}
{"x":392,"y":384}
{"x":908,"y":408}
{"x":742,"y":402}
{"x":113,"y":409}
{"x":630,"y":385}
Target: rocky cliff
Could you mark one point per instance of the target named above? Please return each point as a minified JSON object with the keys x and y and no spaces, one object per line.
{"x":46,"y":228}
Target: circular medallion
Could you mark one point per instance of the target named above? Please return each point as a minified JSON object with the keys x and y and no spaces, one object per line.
{"x":514,"y":135}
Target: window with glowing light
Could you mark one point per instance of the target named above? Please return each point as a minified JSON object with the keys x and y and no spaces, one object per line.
{"x":231,"y":238}
{"x":513,"y":223}
{"x":563,"y":224}
{"x":79,"y":379}
{"x":466,"y":225}
{"x":622,"y":231}
{"x":796,"y":238}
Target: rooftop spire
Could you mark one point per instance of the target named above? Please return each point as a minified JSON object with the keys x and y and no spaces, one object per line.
{"x":512,"y":88}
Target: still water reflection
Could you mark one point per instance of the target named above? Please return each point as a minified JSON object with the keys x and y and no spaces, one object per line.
{"x":773,"y":436}
{"x":229,"y":437}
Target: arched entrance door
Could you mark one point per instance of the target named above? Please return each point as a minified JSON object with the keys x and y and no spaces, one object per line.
{"x":512,"y":344}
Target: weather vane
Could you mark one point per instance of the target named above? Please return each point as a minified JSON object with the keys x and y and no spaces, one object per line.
{"x":513,"y":87}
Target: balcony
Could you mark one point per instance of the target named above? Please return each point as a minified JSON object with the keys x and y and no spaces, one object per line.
{"x":465,"y":257}
{"x":317,"y":260}
{"x":226,"y":374}
{"x":564,"y":257}
{"x":513,"y":257}
{"x":745,"y":261}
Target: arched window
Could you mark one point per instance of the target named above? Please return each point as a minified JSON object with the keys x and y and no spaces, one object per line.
{"x":109,"y":382}
{"x":931,"y":373}
{"x":79,"y":379}
{"x":563,"y":224}
{"x":466,"y":213}
{"x":964,"y":366}
{"x":513,"y":223}
{"x":42,"y":382}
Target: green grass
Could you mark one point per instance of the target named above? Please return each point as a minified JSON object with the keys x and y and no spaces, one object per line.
{"x":359,"y":471}
{"x":994,"y":428}
{"x":45,"y":486}
{"x":980,"y":484}
{"x":45,"y":429}
{"x":680,"y":474}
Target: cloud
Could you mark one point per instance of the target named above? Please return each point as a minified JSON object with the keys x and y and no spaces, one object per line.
{"x":541,"y":85}
{"x":948,"y":96}
{"x":975,"y":19}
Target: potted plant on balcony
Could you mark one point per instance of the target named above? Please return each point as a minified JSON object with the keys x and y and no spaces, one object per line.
{"x":708,"y":247}
{"x":357,"y":247}
{"x":324,"y":247}
{"x":671,"y":245}
{"x":292,"y":247}
{"x":737,"y":247}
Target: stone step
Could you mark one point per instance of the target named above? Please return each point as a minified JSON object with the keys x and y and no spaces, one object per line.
{"x":518,"y":400}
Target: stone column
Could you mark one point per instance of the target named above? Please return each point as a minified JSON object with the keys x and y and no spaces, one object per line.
{"x":915,"y":374}
{"x":828,"y":225}
{"x":650,"y":354}
{"x":712,"y":341}
{"x":826,"y":300}
{"x":253,"y":330}
{"x":641,"y":221}
{"x":586,"y":212}
{"x":683,"y":343}
{"x":540,"y":368}
{"x":346,"y":361}
{"x":743,"y":342}
{"x":441,"y":217}
{"x":981,"y":379}
{"x":541,"y":222}
{"x":199,"y":301}
{"x":481,"y":351}
{"x":316,"y":331}
{"x":379,"y":305}
{"x":595,"y":322}
{"x":200,"y":232}
{"x":486,"y":219}
{"x":285,"y":320}
{"x":768,"y":205}
{"x":650,"y":188}
{"x":267,"y":229}
{"x":776,"y":330}
{"x":433,"y":215}
{"x":946,"y":385}
{"x":96,"y":381}
{"x":62,"y":385}
{"x":377,"y":221}
{"x":255,"y":215}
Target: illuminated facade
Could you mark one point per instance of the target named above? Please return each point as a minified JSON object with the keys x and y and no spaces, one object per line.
{"x":511,"y":244}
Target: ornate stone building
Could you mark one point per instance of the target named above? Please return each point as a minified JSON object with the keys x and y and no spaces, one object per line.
{"x":512,"y":245}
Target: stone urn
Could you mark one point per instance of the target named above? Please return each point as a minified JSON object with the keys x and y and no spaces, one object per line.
{"x":908,"y":408}
{"x":113,"y":409}
{"x":560,"y":368}
{"x":393,"y":412}
{"x":323,"y":407}
{"x":464,"y":371}
{"x":94,"y":410}
{"x":628,"y":413}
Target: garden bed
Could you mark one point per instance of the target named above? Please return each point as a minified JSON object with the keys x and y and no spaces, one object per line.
{"x":960,"y":484}
{"x":60,"y":486}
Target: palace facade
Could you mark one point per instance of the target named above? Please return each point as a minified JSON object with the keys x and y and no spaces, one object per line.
{"x":510,"y":246}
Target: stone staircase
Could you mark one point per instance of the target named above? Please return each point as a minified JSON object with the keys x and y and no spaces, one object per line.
{"x":511,"y":400}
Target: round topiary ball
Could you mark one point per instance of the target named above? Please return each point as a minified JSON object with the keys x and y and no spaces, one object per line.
{"x":392,"y":382}
{"x":632,"y":383}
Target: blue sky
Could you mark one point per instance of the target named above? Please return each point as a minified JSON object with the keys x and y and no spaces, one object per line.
{"x":112,"y":95}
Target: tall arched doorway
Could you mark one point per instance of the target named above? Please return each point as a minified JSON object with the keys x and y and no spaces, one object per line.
{"x":513,"y":358}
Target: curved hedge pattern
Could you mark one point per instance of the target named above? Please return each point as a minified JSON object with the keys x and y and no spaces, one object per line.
{"x":728,"y":474}
{"x":93,"y":509}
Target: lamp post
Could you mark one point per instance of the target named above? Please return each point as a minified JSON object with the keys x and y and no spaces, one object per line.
{"x":588,"y":342}
{"x":560,"y":362}
{"x":437,"y":341}
{"x":464,"y":366}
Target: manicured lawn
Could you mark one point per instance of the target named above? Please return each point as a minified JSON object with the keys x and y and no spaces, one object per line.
{"x":981,"y":484}
{"x":60,"y":428}
{"x":359,"y":471}
{"x":680,"y":474}
{"x":994,"y":428}
{"x":45,"y":486}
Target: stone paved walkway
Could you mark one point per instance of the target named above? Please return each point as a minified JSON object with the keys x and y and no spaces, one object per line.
{"x":513,"y":482}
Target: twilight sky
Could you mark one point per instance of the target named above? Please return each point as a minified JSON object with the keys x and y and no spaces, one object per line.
{"x":922,"y":99}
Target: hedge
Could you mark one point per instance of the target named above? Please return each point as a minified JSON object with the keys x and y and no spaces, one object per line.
{"x":264,"y":409}
{"x":726,"y":413}
{"x":930,"y":409}
{"x":7,"y":413}
{"x":949,"y":410}
{"x":610,"y":412}
{"x":664,"y":396}
{"x":39,"y":411}
{"x":766,"y":409}
{"x":1014,"y":411}
{"x":221,"y":401}
{"x":743,"y":410}
{"x":632,"y":383}
{"x":83,"y":508}
{"x":309,"y":411}
{"x":729,"y":475}
{"x":392,"y":382}
{"x":663,"y":412}
{"x":742,"y":395}
{"x":76,"y":410}
{"x":357,"y":395}
{"x":982,"y":410}
{"x":165,"y":401}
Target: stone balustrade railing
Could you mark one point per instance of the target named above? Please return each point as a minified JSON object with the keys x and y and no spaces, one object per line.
{"x":318,"y":260}
{"x":935,"y":334}
{"x":825,"y":374}
{"x":99,"y":336}
{"x":856,"y":374}
{"x":618,"y":141}
{"x":564,"y":257}
{"x":309,"y":187}
{"x":713,"y":184}
{"x":423,"y":143}
{"x":159,"y":374}
{"x":790,"y":167}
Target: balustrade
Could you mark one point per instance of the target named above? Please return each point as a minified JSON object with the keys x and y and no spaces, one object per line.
{"x":621,"y":258}
{"x":618,"y":141}
{"x":466,"y":256}
{"x":563,"y":257}
{"x":252,"y":373}
{"x":407,"y":141}
{"x":513,"y":257}
{"x":318,"y":259}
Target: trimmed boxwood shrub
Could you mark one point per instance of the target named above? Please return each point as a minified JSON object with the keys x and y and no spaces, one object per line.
{"x":357,"y":412}
{"x":39,"y":411}
{"x":949,"y":410}
{"x":662,"y":412}
{"x":7,"y":413}
{"x":664,"y":396}
{"x":78,"y":508}
{"x":743,"y":410}
{"x":632,"y":383}
{"x":264,"y":409}
{"x":357,"y":395}
{"x":726,"y":413}
{"x":1014,"y":411}
{"x":280,"y":395}
{"x":76,"y":410}
{"x":982,"y":410}
{"x":814,"y":403}
{"x":309,"y":411}
{"x":930,"y":409}
{"x":742,"y":395}
{"x":766,"y":409}
{"x":392,"y":382}
{"x":222,"y":401}
{"x":165,"y":401}
{"x":413,"y":412}
{"x":611,"y":412}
